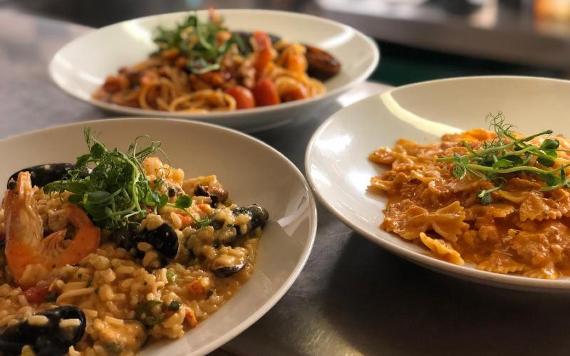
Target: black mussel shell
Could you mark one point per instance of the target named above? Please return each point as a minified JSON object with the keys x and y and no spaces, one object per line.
{"x":48,"y":339}
{"x":163,"y":239}
{"x":224,"y":272}
{"x":43,"y":174}
{"x":321,"y":64}
{"x":258,"y":214}
{"x":217,"y":195}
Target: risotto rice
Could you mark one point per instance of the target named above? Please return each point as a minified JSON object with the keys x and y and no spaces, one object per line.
{"x":131,"y":292}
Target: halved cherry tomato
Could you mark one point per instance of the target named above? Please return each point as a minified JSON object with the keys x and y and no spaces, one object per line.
{"x":243,"y":96}
{"x":265,"y":93}
{"x":36,"y":294}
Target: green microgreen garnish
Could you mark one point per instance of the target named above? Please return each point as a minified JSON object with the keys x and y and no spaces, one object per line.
{"x":111,"y":185}
{"x":183,"y":202}
{"x":198,"y":41}
{"x":507,"y":154}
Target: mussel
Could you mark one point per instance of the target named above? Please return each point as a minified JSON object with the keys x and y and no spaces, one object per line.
{"x":43,"y":174}
{"x":163,"y":239}
{"x":258,"y":214}
{"x":216,"y":194}
{"x":227,"y":271}
{"x":61,"y":328}
{"x":322,"y":64}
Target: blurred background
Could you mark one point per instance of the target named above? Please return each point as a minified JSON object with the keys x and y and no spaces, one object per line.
{"x":419,"y":39}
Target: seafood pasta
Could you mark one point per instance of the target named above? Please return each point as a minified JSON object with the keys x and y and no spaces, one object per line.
{"x":203,"y":66}
{"x":101,"y":256}
{"x":497,"y":199}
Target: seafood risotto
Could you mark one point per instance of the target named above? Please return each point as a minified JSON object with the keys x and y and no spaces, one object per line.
{"x":102,"y":256}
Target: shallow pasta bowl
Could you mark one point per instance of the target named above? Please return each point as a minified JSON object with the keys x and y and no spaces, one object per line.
{"x":81,"y":66}
{"x":250,"y":170}
{"x":338,"y":169}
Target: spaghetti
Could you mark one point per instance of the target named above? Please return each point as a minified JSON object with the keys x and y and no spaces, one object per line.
{"x":202,"y":66}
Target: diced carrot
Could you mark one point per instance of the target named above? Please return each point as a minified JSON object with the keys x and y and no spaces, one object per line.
{"x":186,"y":220}
{"x":196,"y":287}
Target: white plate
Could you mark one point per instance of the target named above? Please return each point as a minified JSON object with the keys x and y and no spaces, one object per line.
{"x":251,"y":171}
{"x":338,"y":169}
{"x":82,"y":65}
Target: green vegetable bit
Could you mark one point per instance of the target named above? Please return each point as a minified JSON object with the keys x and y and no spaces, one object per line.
{"x":170,"y":276}
{"x":183,"y":202}
{"x":111,"y":185}
{"x":174,"y":305}
{"x":147,"y":313}
{"x":507,"y":154}
{"x":203,"y":223}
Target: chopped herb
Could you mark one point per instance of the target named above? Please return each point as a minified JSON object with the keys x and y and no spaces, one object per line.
{"x":183,"y":202}
{"x":145,"y":313}
{"x":203,"y":223}
{"x":51,"y":297}
{"x":174,"y":305}
{"x":170,"y":276}
{"x":112,"y":348}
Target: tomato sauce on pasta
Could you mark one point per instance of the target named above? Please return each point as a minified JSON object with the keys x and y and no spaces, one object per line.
{"x":202,"y":66}
{"x":518,"y":224}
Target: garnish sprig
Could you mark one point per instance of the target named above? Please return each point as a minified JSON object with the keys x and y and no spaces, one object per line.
{"x":507,"y":154}
{"x":110,"y":184}
{"x":199,"y":41}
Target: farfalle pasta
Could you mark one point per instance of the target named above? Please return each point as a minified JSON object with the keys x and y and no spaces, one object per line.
{"x":493,"y":199}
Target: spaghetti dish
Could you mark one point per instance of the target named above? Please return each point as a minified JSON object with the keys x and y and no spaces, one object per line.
{"x":104,"y":255}
{"x":496,"y":199}
{"x":202,"y":66}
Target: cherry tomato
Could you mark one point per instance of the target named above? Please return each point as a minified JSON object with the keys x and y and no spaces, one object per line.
{"x":36,"y":294}
{"x":265,"y":93}
{"x":243,"y":96}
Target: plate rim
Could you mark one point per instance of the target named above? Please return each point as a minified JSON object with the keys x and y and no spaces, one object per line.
{"x":212,"y":116}
{"x":424,"y":260}
{"x":307,"y":248}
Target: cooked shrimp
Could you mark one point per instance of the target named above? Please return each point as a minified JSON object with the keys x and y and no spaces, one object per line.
{"x":293,"y":59}
{"x":25,"y":242}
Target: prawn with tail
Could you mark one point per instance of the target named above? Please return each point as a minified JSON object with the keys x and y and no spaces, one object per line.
{"x":25,"y":241}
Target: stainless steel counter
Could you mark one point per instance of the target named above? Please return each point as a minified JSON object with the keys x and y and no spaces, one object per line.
{"x":352,"y":297}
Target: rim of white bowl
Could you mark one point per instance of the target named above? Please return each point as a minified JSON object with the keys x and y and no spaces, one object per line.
{"x":222,"y":115}
{"x":313,"y":217}
{"x":475,"y":275}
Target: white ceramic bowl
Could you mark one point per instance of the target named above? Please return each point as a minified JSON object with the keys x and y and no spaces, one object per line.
{"x":250,"y":170}
{"x":82,"y":65}
{"x":338,"y":169}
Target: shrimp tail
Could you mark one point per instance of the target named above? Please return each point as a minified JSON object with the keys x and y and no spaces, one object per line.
{"x":25,"y":242}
